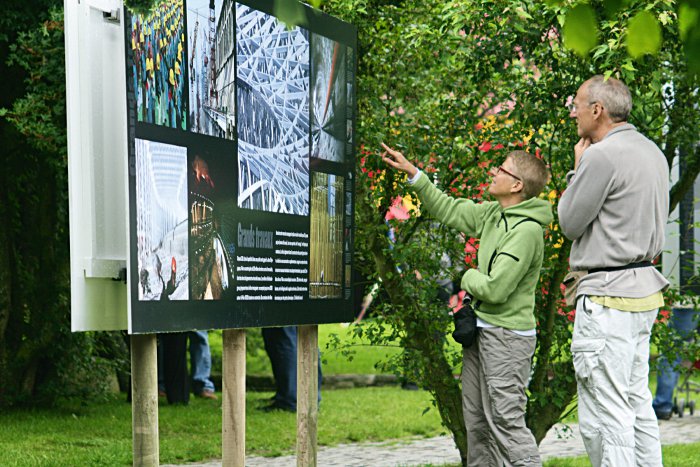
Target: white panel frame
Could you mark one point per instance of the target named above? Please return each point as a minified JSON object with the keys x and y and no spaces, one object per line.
{"x":97,"y":163}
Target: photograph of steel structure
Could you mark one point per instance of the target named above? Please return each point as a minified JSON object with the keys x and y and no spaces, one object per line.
{"x":326,"y":245}
{"x":157,"y":68}
{"x":328,"y":99}
{"x":272,"y":76}
{"x":161,"y":220}
{"x":210,"y":50}
{"x":210,"y":267}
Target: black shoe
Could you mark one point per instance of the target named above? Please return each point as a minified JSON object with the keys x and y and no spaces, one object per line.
{"x":275,"y":407}
{"x":663,"y":415}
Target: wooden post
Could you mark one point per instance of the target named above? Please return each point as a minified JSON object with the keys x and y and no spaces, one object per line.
{"x":144,"y":400}
{"x":307,"y":395}
{"x":233,"y":418}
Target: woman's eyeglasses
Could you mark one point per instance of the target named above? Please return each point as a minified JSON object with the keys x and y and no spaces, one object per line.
{"x":500,"y":169}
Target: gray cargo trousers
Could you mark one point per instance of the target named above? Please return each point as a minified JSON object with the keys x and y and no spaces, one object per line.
{"x":495,"y":372}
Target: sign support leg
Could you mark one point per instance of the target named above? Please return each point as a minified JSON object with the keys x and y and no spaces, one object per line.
{"x":307,"y":395}
{"x":144,"y":400}
{"x":233,"y":408}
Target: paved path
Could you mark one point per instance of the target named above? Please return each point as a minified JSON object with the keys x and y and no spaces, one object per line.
{"x":561,"y":441}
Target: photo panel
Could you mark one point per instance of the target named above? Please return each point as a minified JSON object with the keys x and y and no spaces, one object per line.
{"x":161,"y":221}
{"x":350,"y":101}
{"x":211,"y":57}
{"x":329,"y":99}
{"x":272,"y":75}
{"x":241,"y":165}
{"x":211,"y":198}
{"x":326,"y":254}
{"x":158,"y":65}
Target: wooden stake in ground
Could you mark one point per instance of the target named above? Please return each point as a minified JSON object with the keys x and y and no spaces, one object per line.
{"x":144,"y":400}
{"x":307,"y":395}
{"x":233,"y":409}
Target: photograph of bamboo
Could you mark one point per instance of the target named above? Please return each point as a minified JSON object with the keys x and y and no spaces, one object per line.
{"x":326,"y":255}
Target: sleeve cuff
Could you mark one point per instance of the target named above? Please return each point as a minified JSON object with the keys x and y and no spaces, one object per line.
{"x":414,"y":179}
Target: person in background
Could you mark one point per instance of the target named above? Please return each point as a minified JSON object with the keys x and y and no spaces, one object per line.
{"x":281,"y":347}
{"x":685,"y":320}
{"x":200,"y":365}
{"x":173,"y":381}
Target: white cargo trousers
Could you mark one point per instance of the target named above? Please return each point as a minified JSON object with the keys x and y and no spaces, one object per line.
{"x":611,"y":358}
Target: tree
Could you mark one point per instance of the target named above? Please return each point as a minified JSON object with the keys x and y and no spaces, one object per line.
{"x":456,"y":84}
{"x":40,"y":359}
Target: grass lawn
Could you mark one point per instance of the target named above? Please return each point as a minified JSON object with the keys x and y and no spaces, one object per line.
{"x":257,"y":363}
{"x":677,"y":455}
{"x":100,"y":433}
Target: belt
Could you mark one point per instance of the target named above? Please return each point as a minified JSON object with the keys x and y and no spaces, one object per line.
{"x":641,"y":264}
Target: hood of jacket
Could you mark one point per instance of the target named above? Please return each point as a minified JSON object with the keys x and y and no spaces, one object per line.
{"x":534,"y":208}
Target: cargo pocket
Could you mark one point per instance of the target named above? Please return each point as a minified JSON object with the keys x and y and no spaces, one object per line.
{"x":507,"y":401}
{"x":586,"y":353}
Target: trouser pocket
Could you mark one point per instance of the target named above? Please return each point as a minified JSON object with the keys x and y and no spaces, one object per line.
{"x":586,"y":353}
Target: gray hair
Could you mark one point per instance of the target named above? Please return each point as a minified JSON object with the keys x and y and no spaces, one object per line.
{"x":613,"y":94}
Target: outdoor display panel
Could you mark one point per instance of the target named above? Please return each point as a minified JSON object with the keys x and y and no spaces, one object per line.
{"x":241,"y":167}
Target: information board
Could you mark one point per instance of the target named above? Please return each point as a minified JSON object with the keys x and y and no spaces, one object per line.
{"x":241,"y":167}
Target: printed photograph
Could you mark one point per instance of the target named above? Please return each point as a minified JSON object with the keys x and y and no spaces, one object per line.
{"x":157,"y":69}
{"x":211,"y":57}
{"x":329,"y":101}
{"x":273,"y":109}
{"x":348,"y":203}
{"x":326,"y":236}
{"x":161,"y":221}
{"x":211,"y":270}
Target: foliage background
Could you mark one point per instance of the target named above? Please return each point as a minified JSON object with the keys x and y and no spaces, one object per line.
{"x":470,"y":81}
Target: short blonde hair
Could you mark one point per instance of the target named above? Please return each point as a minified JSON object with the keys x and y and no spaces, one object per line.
{"x":532,"y":172}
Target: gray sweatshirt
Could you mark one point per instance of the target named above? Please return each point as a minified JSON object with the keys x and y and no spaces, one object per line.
{"x":615,"y":210}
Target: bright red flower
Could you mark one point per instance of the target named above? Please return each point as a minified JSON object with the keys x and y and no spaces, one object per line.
{"x":485,"y":146}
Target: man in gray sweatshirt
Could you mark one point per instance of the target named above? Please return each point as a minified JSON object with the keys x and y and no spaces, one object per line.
{"x":615,"y":209}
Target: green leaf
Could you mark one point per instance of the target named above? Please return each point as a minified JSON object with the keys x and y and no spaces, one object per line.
{"x":140,"y":7}
{"x":290,"y":12}
{"x":612,"y":7}
{"x":643,"y":35}
{"x":554,"y":3}
{"x":315,"y":3}
{"x":580,"y":29}
{"x":628,"y":66}
{"x":687,"y":18}
{"x":691,"y":47}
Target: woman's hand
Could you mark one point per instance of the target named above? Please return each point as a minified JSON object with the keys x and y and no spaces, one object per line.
{"x":398,"y":161}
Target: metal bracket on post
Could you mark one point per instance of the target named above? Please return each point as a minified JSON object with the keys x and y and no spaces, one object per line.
{"x":109,"y":8}
{"x":111,"y":16}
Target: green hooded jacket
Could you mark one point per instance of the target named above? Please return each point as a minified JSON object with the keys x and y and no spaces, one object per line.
{"x":510,"y":253}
